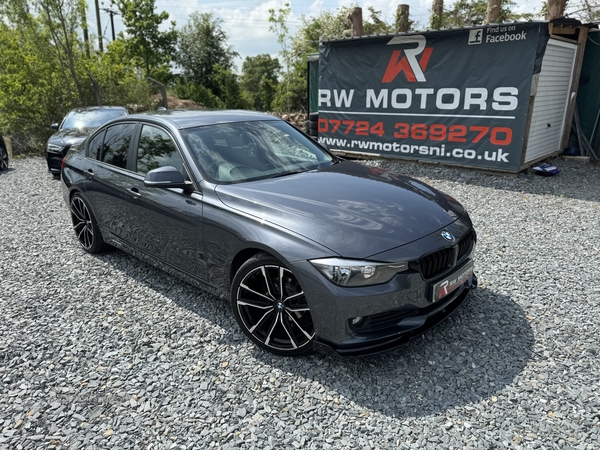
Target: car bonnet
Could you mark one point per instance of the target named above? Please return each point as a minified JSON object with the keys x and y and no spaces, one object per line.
{"x":354,"y":210}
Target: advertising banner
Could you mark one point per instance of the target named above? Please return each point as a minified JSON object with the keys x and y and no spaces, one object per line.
{"x":457,"y":96}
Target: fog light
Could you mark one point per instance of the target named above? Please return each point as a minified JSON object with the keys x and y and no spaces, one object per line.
{"x":359,"y":321}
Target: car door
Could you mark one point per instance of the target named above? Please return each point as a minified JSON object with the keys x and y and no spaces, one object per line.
{"x":168,"y":221}
{"x":105,"y":168}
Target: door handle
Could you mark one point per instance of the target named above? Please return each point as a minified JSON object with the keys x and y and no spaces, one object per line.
{"x":89,"y":173}
{"x":134,"y":192}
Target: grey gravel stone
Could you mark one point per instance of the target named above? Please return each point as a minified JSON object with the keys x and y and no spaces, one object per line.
{"x":107,"y":352}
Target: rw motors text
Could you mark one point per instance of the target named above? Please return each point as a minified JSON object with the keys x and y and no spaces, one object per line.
{"x":478,"y":99}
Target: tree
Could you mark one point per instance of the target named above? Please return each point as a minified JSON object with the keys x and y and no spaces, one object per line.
{"x":278,"y":25}
{"x":230,"y":90}
{"x":151,"y":48}
{"x":202,"y":47}
{"x":259,"y":79}
{"x":468,"y":13}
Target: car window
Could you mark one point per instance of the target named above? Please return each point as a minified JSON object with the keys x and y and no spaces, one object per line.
{"x":116,"y":144}
{"x":95,"y":145}
{"x":244,"y":151}
{"x":156,"y":149}
{"x":90,"y":118}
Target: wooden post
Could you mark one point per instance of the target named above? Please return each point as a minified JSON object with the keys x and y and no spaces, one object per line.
{"x":494,"y":7}
{"x":8,"y":146}
{"x":355,"y":18}
{"x":163,"y":91}
{"x":556,"y":9}
{"x":402,"y":21}
{"x":581,"y":41}
{"x":437,"y":14}
{"x":96,"y":87}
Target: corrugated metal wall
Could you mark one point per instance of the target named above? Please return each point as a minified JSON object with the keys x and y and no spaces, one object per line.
{"x":551,"y":100}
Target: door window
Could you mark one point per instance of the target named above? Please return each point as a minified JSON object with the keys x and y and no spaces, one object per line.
{"x":156,"y":149}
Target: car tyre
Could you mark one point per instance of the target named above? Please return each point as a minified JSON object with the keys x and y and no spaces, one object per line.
{"x":85,"y":225}
{"x":270,"y":307}
{"x":3,"y":156}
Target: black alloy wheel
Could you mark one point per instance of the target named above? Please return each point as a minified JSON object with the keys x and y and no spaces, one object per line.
{"x":85,"y":226}
{"x":3,"y":157}
{"x":270,"y":307}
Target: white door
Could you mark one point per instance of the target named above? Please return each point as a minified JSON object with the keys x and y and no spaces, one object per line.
{"x":551,"y":100}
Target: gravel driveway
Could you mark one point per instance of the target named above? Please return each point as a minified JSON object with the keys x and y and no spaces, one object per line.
{"x":107,"y":352}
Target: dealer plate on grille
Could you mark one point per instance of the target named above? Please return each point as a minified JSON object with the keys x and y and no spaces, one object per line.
{"x":452,"y":282}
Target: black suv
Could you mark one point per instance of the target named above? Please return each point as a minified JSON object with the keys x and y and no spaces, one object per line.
{"x":77,"y":125}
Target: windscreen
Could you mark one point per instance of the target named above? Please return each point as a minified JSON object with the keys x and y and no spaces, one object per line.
{"x":90,"y":119}
{"x":245,"y":151}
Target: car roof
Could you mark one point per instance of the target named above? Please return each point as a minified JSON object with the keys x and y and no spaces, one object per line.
{"x":94,"y":108}
{"x":196,"y":118}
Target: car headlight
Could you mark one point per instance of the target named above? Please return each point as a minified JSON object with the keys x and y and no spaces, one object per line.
{"x":54,"y":148}
{"x":347,"y":272}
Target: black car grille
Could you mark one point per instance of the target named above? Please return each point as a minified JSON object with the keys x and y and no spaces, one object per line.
{"x":436,"y":262}
{"x":466,"y":244}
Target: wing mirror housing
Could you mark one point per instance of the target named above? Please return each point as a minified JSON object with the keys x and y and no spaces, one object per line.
{"x":167,"y":177}
{"x":54,"y":126}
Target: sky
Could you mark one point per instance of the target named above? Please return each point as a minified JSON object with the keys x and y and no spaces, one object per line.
{"x":246,"y":22}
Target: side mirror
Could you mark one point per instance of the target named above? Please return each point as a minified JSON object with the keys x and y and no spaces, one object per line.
{"x":167,"y":177}
{"x":54,"y":126}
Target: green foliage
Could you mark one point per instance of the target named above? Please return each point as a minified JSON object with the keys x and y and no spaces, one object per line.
{"x":45,"y":71}
{"x":151,"y":48}
{"x":468,"y":13}
{"x":293,"y":97}
{"x":202,"y":47}
{"x":278,"y":25}
{"x":260,"y":81}
{"x":188,"y":90}
{"x":375,"y":24}
{"x":231,"y":92}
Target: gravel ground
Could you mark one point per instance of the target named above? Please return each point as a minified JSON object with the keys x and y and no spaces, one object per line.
{"x":107,"y":352}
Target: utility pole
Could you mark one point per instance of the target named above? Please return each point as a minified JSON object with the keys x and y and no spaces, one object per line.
{"x":86,"y":38}
{"x":99,"y":27}
{"x":112,"y":20}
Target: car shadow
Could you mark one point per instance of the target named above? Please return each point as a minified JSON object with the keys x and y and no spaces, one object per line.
{"x":471,"y":356}
{"x":574,"y":181}
{"x":7,"y":171}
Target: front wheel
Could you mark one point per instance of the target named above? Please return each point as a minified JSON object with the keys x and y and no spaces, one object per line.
{"x":270,"y":307}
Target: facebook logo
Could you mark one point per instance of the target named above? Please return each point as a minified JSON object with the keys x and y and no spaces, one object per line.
{"x":475,"y":36}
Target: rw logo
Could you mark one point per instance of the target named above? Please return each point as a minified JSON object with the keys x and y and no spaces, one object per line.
{"x":413,"y":69}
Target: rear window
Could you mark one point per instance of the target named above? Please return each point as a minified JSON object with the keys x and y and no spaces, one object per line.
{"x":115,"y":147}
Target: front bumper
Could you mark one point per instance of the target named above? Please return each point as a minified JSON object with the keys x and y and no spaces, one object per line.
{"x":54,"y":160}
{"x":392,"y":313}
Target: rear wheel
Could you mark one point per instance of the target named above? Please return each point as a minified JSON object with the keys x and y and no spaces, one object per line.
{"x":85,"y":226}
{"x":270,"y":306}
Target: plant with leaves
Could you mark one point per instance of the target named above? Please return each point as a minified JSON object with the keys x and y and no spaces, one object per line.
{"x":150,"y":48}
{"x":260,"y":80}
{"x":468,"y":13}
{"x":202,"y":47}
{"x":278,"y":25}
